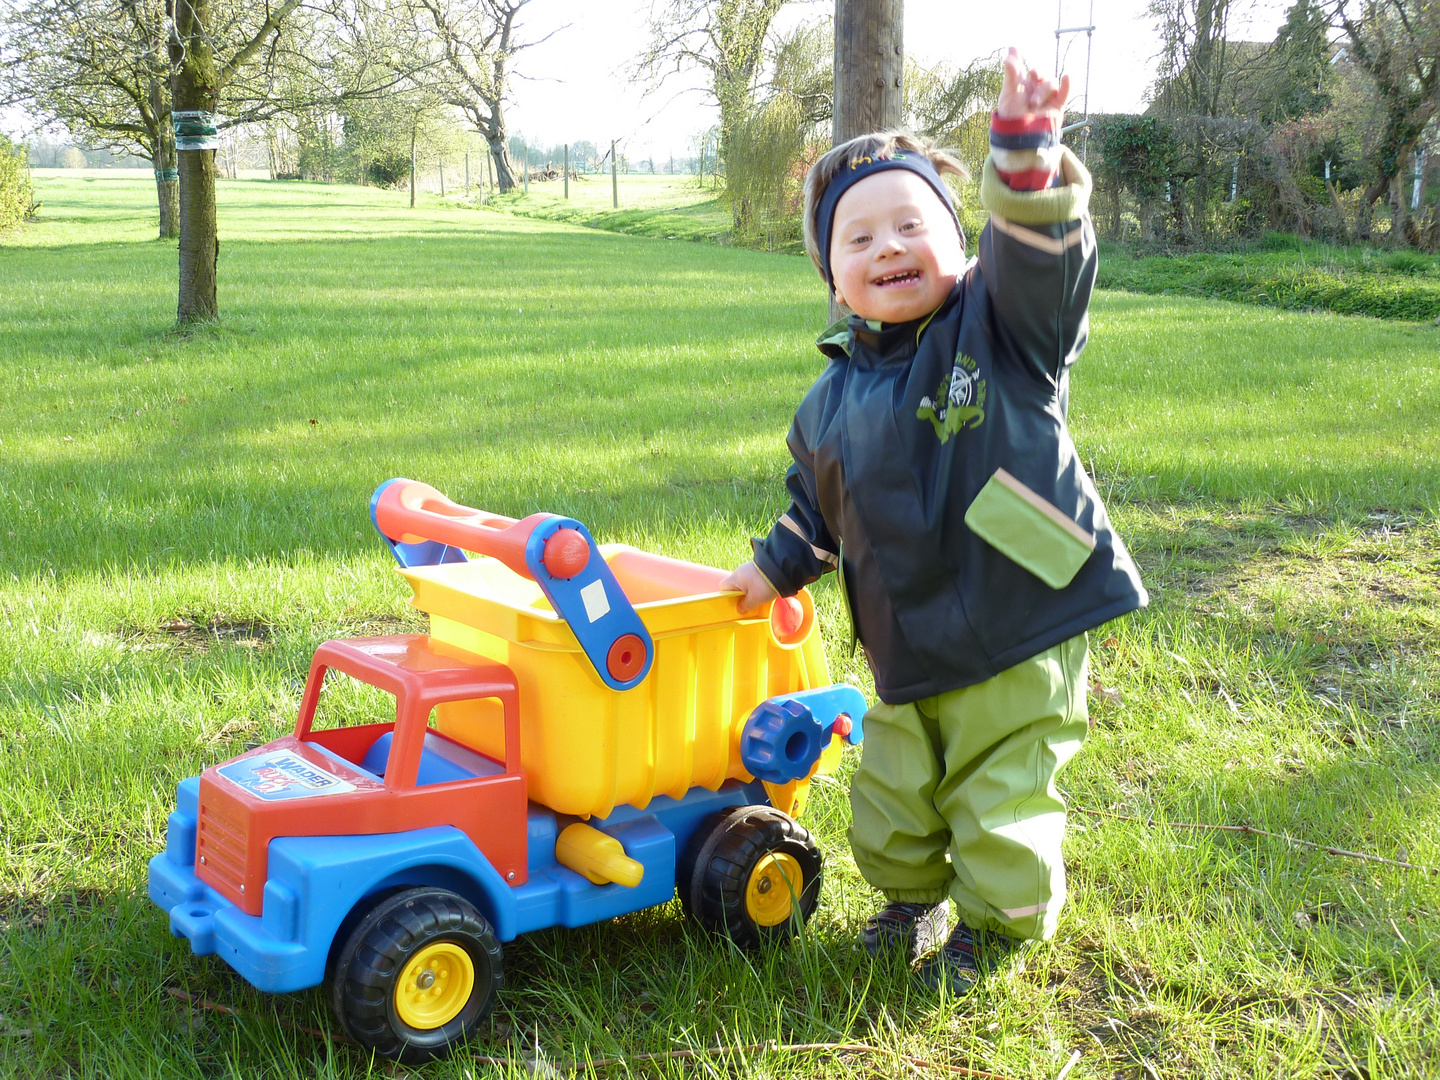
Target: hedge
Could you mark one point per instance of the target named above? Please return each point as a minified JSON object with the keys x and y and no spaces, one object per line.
{"x":1382,"y":291}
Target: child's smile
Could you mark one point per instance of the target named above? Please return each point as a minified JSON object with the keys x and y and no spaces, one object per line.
{"x":903,"y":277}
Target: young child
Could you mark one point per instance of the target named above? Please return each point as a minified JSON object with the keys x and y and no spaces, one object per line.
{"x":934,"y":471}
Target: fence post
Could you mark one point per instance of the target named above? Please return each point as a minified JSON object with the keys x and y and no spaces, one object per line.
{"x":567,"y":170}
{"x":614,"y":179}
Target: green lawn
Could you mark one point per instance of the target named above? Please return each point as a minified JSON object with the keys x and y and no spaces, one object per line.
{"x":186,"y":517}
{"x":664,"y":207}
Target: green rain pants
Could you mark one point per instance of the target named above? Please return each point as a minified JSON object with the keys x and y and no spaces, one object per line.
{"x":973,"y":771}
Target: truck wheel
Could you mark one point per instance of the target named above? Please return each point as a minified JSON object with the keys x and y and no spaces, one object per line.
{"x":417,"y":974}
{"x":751,"y":873}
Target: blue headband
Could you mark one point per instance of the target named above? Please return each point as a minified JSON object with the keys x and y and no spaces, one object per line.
{"x":844,"y":180}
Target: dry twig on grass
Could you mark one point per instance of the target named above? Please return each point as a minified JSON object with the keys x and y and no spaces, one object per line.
{"x":1253,"y":831}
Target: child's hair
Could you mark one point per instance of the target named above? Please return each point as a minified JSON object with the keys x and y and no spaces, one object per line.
{"x":875,"y":145}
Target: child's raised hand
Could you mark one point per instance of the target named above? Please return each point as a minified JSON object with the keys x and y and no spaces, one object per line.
{"x":748,"y":580}
{"x":1023,"y":94}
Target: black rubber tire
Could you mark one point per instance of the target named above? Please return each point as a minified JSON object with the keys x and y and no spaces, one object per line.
{"x":714,"y":871}
{"x":362,"y":987}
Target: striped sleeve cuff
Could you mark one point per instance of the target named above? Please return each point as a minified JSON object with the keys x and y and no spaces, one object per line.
{"x":1026,"y":150}
{"x":1066,"y":201}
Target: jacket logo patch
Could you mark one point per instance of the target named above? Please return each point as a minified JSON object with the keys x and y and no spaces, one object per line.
{"x":959,"y":400}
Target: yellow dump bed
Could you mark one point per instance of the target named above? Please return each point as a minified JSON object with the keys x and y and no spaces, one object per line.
{"x":586,"y":748}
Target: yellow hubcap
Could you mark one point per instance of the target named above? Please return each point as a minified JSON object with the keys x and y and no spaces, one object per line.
{"x":774,"y":886}
{"x":436,"y":984}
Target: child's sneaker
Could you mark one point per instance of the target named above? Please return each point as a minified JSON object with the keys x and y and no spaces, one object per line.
{"x":908,"y":929}
{"x":966,"y":957}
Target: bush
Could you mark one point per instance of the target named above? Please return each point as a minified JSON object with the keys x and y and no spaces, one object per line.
{"x":389,"y":169}
{"x":16,"y":199}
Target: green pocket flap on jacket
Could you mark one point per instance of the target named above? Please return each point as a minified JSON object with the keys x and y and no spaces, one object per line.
{"x":1021,"y":525}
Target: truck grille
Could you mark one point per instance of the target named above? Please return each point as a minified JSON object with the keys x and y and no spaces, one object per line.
{"x":220,"y":847}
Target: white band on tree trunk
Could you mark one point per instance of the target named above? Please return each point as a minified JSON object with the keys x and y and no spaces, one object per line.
{"x":195,"y":129}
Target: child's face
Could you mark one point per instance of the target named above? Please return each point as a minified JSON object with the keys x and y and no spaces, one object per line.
{"x":895,"y":253}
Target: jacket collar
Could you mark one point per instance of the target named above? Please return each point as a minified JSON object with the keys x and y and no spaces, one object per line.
{"x":877,"y":342}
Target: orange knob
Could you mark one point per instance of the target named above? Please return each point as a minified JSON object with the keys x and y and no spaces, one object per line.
{"x":626,"y":657}
{"x":787,"y":616}
{"x":566,"y":553}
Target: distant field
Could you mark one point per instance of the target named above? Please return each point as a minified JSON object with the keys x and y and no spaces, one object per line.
{"x":147,"y":175}
{"x":184,"y":518}
{"x":664,"y":207}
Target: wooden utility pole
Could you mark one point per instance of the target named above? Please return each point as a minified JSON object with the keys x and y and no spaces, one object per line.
{"x":412,"y":168}
{"x":567,"y":170}
{"x":869,"y":66}
{"x":614,"y":180}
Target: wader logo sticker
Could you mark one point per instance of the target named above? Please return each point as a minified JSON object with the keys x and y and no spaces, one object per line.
{"x":959,"y":400}
{"x":282,"y":775}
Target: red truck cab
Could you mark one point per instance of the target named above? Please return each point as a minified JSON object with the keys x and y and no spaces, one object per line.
{"x":247,"y":802}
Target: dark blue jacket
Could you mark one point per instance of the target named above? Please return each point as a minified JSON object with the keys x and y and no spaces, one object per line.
{"x":910,"y":423}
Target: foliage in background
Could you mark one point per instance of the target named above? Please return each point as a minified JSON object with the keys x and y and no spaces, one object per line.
{"x":1396,"y":43}
{"x":1182,"y":178}
{"x":724,"y":40}
{"x":99,"y":69}
{"x":1195,"y":72}
{"x":1257,"y":123}
{"x":470,"y":46}
{"x":1301,"y":74}
{"x":1133,"y":157}
{"x":769,"y":149}
{"x":16,"y":198}
{"x":951,"y":105}
{"x":777,"y":142}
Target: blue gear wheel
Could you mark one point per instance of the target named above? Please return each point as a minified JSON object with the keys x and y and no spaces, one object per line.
{"x":781,"y":742}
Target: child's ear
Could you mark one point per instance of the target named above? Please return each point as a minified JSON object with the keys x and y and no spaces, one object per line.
{"x":839,"y":296}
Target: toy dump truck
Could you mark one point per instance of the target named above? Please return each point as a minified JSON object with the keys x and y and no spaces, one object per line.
{"x":584,"y":731}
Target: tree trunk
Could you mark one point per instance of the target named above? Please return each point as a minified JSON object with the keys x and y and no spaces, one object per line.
{"x":869,"y":73}
{"x":162,"y":157}
{"x":195,"y":86}
{"x":869,"y":67}
{"x":1396,"y":193}
{"x":199,"y":238}
{"x":1341,"y":224}
{"x":167,"y":184}
{"x":168,"y":193}
{"x":504,"y":174}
